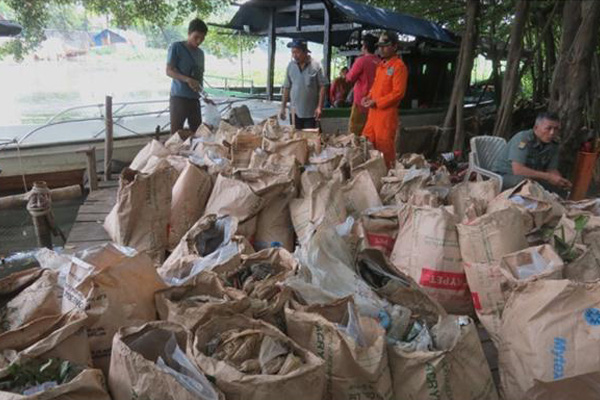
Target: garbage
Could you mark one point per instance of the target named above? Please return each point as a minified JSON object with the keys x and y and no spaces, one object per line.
{"x":581,"y":387}
{"x":212,"y":115}
{"x":151,"y":361}
{"x":297,"y":148}
{"x":231,"y":350}
{"x":375,"y":166}
{"x":153,"y":148}
{"x":379,"y":228}
{"x":427,"y":250}
{"x":353,"y":348}
{"x":242,"y":147}
{"x":552,"y":327}
{"x":178,"y":142}
{"x":233,"y":197}
{"x":475,"y":195}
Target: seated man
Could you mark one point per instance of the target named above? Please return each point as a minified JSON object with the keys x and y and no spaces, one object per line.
{"x":533,"y":154}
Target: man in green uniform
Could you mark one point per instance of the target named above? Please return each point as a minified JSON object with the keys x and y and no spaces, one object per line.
{"x":533,"y":154}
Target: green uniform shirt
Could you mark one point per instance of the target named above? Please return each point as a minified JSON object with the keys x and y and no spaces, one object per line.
{"x":525,"y":148}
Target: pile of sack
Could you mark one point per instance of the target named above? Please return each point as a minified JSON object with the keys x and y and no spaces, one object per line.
{"x":260,"y":262}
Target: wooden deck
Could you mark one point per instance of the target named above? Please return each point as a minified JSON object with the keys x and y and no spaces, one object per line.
{"x":88,"y":229}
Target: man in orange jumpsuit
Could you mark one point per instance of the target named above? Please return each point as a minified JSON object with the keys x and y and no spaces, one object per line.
{"x":384,"y":98}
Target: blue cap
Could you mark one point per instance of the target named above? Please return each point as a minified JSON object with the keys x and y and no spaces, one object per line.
{"x":299,"y":44}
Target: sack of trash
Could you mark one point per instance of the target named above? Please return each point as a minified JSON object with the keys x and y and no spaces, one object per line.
{"x":375,"y":166}
{"x":492,"y":283}
{"x":487,"y":238}
{"x":153,"y":148}
{"x":581,"y":387}
{"x":550,"y":331}
{"x":360,"y":194}
{"x":152,"y":361}
{"x":353,"y":348}
{"x":296,"y":148}
{"x":27,"y":296}
{"x":379,"y":228}
{"x":252,"y":360}
{"x":242,"y":147}
{"x":235,"y":198}
{"x":189,"y":197}
{"x":115,"y":287}
{"x":210,"y":243}
{"x":62,"y":336}
{"x":203,"y":296}
{"x":470,"y":199}
{"x":274,"y":222}
{"x":540,"y":206}
{"x":427,"y":250}
{"x":51,"y":378}
{"x":140,"y":217}
{"x":178,"y":142}
{"x":400,"y":187}
{"x":431,"y":354}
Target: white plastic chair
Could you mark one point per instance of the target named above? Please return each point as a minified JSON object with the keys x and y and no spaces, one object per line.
{"x":485,"y":150}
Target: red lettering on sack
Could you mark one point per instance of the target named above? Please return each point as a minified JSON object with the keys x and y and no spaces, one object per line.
{"x":443,"y":280}
{"x":383,"y":242}
{"x":476,"y":302}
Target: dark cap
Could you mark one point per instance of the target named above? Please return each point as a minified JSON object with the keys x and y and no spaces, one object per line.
{"x":298,"y":44}
{"x":388,"y":38}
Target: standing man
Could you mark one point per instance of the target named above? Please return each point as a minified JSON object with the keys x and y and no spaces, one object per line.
{"x":185,"y":65}
{"x":305,"y":86}
{"x":362,"y":74}
{"x":384,"y":99}
{"x":533,"y":154}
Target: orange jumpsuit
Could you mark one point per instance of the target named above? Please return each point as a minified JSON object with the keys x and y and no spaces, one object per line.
{"x":387,"y":91}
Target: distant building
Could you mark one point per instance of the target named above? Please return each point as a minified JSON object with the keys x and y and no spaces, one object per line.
{"x":119,"y":36}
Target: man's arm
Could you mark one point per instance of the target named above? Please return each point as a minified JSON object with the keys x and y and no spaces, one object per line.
{"x":355,"y":71}
{"x":284,"y":100}
{"x":173,"y":73}
{"x":554,"y":177}
{"x":399,"y":81}
{"x":319,"y":109}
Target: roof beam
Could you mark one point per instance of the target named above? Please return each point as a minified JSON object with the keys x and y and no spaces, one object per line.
{"x":305,"y":7}
{"x":318,"y":28}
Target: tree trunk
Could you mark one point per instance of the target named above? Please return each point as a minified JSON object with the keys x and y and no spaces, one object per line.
{"x":461,"y":81}
{"x":503,"y":123}
{"x":576,"y":65}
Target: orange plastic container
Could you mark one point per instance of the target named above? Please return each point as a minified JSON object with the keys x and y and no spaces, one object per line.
{"x":584,"y":170}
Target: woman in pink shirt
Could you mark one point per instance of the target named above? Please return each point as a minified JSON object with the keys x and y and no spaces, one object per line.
{"x":362,"y":74}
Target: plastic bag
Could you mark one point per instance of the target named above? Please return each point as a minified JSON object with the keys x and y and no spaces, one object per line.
{"x":212,"y":116}
{"x":270,"y":349}
{"x":176,"y":364}
{"x":538,"y":266}
{"x":418,"y":339}
{"x":353,"y":329}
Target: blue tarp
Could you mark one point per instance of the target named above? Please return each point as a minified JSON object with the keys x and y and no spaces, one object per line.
{"x":255,"y":15}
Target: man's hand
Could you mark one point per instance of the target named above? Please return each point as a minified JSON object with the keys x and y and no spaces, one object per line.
{"x":557,"y":180}
{"x":318,"y":113}
{"x":193,"y":84}
{"x":367,"y":102}
{"x":282,"y":114}
{"x":209,"y":101}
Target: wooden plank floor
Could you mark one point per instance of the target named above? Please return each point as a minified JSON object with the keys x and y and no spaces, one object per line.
{"x":88,"y":230}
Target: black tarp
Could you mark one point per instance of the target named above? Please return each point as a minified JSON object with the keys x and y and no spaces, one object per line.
{"x":255,"y":16}
{"x":8,"y":28}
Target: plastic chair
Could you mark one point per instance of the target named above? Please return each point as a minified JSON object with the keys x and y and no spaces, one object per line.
{"x":485,"y":150}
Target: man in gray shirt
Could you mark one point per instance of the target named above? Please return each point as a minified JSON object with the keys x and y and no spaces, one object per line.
{"x":305,"y":82}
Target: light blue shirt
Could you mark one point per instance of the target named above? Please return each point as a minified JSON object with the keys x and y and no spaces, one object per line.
{"x":189,"y":63}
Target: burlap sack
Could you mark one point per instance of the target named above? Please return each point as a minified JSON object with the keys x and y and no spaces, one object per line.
{"x":353,"y":348}
{"x":242,"y":147}
{"x":380,"y":228}
{"x":297,"y":148}
{"x":423,"y":198}
{"x":582,"y":387}
{"x":325,"y":163}
{"x":178,"y":141}
{"x":202,"y":297}
{"x":586,"y":267}
{"x":456,"y":369}
{"x":274,"y":224}
{"x":154,"y":148}
{"x":324,"y":204}
{"x":395,"y":189}
{"x":410,"y":160}
{"x":488,"y":238}
{"x":25,"y":297}
{"x":427,"y":250}
{"x":533,"y":200}
{"x":202,"y":148}
{"x":57,"y":336}
{"x":89,"y":384}
{"x":588,"y":206}
{"x":189,"y":197}
{"x":313,"y":138}
{"x":492,"y":283}
{"x":476,"y":194}
{"x":225,"y":133}
{"x":209,"y":243}
{"x":306,"y":381}
{"x":151,"y":362}
{"x":375,"y":166}
{"x":276,"y":163}
{"x":140,"y":218}
{"x":115,"y":287}
{"x":550,"y":331}
{"x":233,"y":197}
{"x":360,"y":194}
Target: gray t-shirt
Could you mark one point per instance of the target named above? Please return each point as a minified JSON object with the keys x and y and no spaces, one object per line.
{"x":305,"y":85}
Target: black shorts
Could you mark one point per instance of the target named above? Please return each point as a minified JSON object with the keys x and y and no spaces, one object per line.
{"x":304,"y":123}
{"x":182,"y":109}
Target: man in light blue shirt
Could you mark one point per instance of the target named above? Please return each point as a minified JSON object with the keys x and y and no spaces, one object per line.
{"x":185,"y":65}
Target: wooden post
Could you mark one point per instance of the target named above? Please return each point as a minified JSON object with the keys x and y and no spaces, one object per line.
{"x":108,"y":142}
{"x":90,"y":154}
{"x":327,"y":43}
{"x":298,"y":15}
{"x":39,"y":207}
{"x":271,"y":55}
